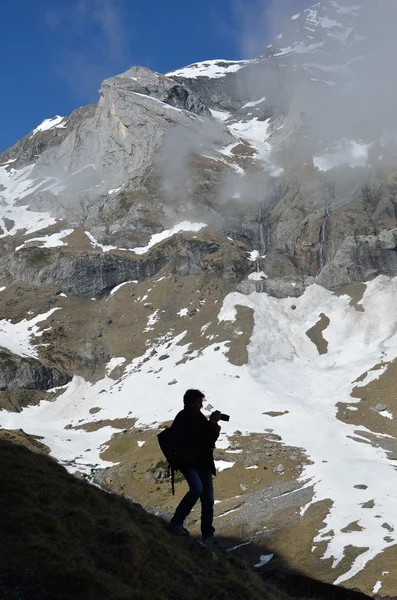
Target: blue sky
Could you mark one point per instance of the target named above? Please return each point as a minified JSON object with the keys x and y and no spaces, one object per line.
{"x":55,"y":53}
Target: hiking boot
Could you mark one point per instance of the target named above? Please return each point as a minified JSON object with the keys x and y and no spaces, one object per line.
{"x":179,"y":530}
{"x":211,"y":540}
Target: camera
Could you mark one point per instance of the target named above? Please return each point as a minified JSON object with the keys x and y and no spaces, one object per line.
{"x":224,"y":417}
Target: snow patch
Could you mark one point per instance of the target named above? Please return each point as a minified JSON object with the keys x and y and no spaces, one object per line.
{"x":159,"y":237}
{"x":14,"y":185}
{"x":264,"y":559}
{"x":16,"y":337}
{"x":116,"y":289}
{"x":386,"y":413}
{"x":257,"y":276}
{"x":223,"y":465}
{"x":56,"y":122}
{"x":213,"y":69}
{"x":114,"y":363}
{"x":377,"y":587}
{"x":48,"y":241}
{"x":254,"y":102}
{"x":220,"y":115}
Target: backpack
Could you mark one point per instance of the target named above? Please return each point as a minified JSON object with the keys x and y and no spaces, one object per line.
{"x":166,"y":440}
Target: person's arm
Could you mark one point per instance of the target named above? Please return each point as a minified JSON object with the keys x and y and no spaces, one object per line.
{"x":215,"y":427}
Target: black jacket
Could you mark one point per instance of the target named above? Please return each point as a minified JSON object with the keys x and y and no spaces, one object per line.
{"x":195,"y":439}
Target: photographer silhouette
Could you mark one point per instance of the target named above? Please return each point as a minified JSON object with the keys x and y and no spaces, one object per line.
{"x":195,"y":438}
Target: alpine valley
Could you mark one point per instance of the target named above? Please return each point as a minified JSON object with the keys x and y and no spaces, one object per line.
{"x":230,"y":226}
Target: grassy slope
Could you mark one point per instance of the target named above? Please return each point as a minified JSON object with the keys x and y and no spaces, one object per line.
{"x":63,"y":539}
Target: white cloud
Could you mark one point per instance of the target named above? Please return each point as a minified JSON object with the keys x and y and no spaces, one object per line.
{"x":259,"y":22}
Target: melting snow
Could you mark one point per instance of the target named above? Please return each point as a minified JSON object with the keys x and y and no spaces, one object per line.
{"x":285,"y":373}
{"x":222,"y":465}
{"x":116,"y":289}
{"x":253,"y":256}
{"x":220,"y":115}
{"x":96,"y":244}
{"x":49,"y":241}
{"x":210,"y":68}
{"x":254,"y":102}
{"x":16,"y":337}
{"x":377,"y":587}
{"x":159,"y":237}
{"x":152,"y":320}
{"x":386,"y":413}
{"x":256,"y":133}
{"x":264,"y":559}
{"x":16,"y":184}
{"x":257,"y":276}
{"x":54,"y":122}
{"x":114,"y":362}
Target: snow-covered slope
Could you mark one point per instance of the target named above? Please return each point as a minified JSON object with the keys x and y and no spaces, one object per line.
{"x":209,"y":68}
{"x":285,"y":373}
{"x":16,"y":185}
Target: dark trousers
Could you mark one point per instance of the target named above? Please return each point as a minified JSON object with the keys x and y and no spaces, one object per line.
{"x":200,"y":486}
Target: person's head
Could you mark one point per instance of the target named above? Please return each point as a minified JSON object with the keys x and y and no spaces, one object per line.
{"x":193,"y":400}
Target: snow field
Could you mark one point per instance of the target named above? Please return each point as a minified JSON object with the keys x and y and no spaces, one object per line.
{"x":15,"y":184}
{"x":284,"y":373}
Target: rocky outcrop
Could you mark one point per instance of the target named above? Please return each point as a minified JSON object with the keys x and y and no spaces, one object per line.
{"x":118,"y":143}
{"x":29,"y":149}
{"x":94,"y":274}
{"x":361,"y":259}
{"x":28,"y":373}
{"x":141,"y":80}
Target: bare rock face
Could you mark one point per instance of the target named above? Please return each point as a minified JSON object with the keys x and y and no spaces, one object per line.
{"x":361,"y":259}
{"x":141,"y":80}
{"x":27,"y":150}
{"x":28,"y":373}
{"x":118,"y":142}
{"x":94,"y":274}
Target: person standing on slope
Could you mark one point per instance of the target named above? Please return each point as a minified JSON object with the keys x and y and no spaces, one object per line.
{"x":195,"y":438}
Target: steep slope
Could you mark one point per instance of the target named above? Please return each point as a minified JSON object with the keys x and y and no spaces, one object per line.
{"x":75,"y":541}
{"x":231,"y":226}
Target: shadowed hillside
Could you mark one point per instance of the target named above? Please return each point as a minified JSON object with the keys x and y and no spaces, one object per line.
{"x":64,"y":539}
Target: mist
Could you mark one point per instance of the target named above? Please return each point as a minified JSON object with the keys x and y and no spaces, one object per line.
{"x":174,"y":160}
{"x":332,"y":101}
